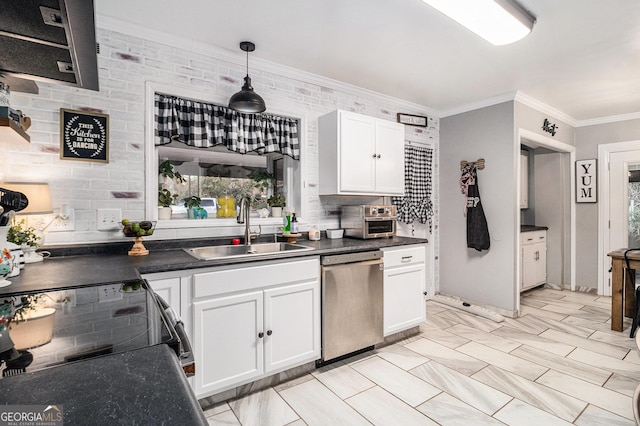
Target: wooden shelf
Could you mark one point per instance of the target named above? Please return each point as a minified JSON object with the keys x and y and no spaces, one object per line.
{"x":10,"y":132}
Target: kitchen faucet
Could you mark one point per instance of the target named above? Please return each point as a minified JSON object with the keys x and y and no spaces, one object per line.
{"x":243,"y":217}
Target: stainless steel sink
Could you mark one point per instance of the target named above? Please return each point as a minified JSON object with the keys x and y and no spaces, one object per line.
{"x":224,"y":252}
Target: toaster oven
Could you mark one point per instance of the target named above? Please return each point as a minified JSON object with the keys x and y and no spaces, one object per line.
{"x":366,"y":222}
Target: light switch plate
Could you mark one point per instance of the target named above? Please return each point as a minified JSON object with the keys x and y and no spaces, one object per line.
{"x":108,"y":219}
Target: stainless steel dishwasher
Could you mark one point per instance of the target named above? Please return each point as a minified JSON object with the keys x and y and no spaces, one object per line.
{"x":352,"y":303}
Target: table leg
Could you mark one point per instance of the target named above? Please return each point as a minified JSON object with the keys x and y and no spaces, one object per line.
{"x":629,"y":291}
{"x":616,"y":294}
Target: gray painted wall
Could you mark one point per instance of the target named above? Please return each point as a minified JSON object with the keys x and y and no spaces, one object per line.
{"x":553,"y":198}
{"x":532,"y":119}
{"x":486,"y":277}
{"x":587,"y":140}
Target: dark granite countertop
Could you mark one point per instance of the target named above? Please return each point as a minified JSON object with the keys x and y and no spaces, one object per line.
{"x":145,"y":386}
{"x":531,"y":228}
{"x":109,"y":263}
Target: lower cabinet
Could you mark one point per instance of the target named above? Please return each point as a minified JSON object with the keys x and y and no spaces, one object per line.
{"x":533,"y":265}
{"x":255,"y":321}
{"x":405,"y":284}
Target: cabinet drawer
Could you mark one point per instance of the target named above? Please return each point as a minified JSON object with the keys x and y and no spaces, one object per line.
{"x":248,"y":276}
{"x":533,"y":237}
{"x":404,"y":256}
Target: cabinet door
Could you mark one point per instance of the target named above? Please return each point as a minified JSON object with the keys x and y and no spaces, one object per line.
{"x":357,"y":145}
{"x":404,"y":301}
{"x":227,"y":343}
{"x":389,"y":160}
{"x":541,"y":263}
{"x":169,"y":290}
{"x":292,"y":325}
{"x":528,"y":266}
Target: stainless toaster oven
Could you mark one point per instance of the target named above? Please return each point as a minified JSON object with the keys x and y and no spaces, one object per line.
{"x":369,"y":221}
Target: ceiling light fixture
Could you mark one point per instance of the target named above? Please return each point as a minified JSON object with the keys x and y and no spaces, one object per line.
{"x":497,"y":21}
{"x":246,"y":100}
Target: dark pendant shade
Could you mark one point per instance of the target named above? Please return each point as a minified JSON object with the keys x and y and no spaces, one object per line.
{"x":246,"y":100}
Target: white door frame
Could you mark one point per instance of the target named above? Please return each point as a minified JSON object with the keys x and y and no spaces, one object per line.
{"x":604,"y":153}
{"x":535,"y":140}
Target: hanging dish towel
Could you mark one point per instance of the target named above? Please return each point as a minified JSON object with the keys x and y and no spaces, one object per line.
{"x":477,"y":229}
{"x":416,"y":203}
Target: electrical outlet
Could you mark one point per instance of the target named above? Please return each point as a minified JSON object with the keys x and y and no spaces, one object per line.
{"x":108,"y":219}
{"x":109,"y":293}
{"x":64,"y":298}
{"x":62,"y":222}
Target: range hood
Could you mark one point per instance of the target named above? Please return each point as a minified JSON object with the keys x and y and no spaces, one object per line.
{"x":49,"y":40}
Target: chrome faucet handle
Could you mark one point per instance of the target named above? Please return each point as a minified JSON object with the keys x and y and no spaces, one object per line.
{"x":256,"y":235}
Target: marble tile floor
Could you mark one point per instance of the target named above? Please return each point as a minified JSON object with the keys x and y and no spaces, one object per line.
{"x":558,"y":364}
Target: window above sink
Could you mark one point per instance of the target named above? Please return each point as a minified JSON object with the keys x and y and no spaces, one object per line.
{"x":215,"y":172}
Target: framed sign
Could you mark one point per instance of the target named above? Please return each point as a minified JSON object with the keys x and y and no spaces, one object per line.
{"x":587,"y":181}
{"x":412,"y":120}
{"x":84,"y":136}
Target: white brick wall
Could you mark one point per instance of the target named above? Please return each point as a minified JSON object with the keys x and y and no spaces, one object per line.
{"x":125,"y":64}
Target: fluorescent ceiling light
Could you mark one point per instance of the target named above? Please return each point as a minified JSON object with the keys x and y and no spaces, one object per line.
{"x":497,"y":21}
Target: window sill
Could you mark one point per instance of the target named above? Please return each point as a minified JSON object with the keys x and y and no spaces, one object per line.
{"x":215,"y":223}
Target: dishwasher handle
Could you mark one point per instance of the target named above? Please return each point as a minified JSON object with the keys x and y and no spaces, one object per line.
{"x":340,"y":259}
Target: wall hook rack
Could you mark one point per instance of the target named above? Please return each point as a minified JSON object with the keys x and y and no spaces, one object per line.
{"x":479,"y":164}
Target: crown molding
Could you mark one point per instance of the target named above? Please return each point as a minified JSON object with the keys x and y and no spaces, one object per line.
{"x":238,"y":58}
{"x":483,"y":103}
{"x":545,"y":108}
{"x":609,"y":119}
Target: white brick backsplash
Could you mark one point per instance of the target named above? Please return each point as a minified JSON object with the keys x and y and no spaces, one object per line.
{"x":126,"y":63}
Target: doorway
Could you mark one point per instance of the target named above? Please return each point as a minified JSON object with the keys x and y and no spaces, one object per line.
{"x":565,"y":237}
{"x":619,"y":207}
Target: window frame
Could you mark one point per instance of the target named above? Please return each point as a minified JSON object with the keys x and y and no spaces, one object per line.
{"x":296,"y":189}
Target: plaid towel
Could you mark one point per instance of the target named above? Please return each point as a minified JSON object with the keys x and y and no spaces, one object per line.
{"x":416,"y":203}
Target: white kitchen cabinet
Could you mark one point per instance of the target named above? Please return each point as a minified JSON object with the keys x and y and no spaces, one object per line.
{"x":405,"y":284}
{"x":524,"y":181}
{"x":360,"y":155}
{"x":253,"y":321}
{"x":174,"y":288}
{"x":533,"y":267}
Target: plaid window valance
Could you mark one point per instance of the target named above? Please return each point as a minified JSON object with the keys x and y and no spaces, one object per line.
{"x":205,"y":125}
{"x":416,"y":203}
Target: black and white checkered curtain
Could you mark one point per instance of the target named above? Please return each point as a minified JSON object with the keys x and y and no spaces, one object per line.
{"x":204,"y":125}
{"x":416,"y":203}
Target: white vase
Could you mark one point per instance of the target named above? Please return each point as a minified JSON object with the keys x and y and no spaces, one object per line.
{"x":276,"y":211}
{"x":164,"y":213}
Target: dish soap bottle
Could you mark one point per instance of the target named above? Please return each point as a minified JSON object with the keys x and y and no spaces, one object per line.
{"x":294,"y":224}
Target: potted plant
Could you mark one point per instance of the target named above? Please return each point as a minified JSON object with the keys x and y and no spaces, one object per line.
{"x":165,"y":197}
{"x":276,"y":202}
{"x":25,"y":237}
{"x":194,"y":207}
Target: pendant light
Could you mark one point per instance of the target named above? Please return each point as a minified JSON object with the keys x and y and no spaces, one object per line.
{"x":246,"y":100}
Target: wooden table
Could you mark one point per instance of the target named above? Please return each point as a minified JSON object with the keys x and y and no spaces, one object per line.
{"x":620,"y":282}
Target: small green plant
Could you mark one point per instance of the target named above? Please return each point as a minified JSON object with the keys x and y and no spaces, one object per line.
{"x":165,"y":170}
{"x":192,"y":202}
{"x":263,"y":180}
{"x":22,"y":234}
{"x":165,"y":197}
{"x":276,"y":200}
{"x":29,"y":303}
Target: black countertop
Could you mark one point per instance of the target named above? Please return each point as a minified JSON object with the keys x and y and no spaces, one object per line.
{"x":140,"y":387}
{"x":531,"y":228}
{"x":109,"y":264}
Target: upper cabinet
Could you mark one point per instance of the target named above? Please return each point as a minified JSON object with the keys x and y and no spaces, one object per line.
{"x":360,"y":155}
{"x":49,"y":40}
